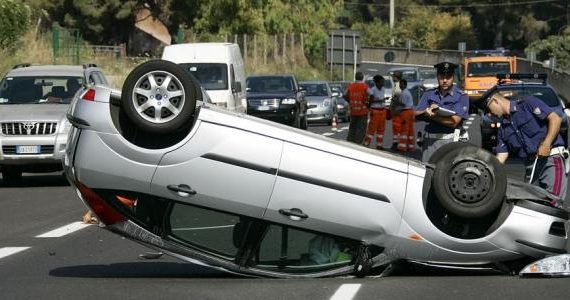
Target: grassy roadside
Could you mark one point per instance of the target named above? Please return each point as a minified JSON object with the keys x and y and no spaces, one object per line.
{"x":37,"y":50}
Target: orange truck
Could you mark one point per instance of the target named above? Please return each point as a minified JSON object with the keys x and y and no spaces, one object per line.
{"x":480,"y":72}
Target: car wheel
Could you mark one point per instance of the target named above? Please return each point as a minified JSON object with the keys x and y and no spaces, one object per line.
{"x":11,"y":175}
{"x":468,"y":181}
{"x":159,"y":97}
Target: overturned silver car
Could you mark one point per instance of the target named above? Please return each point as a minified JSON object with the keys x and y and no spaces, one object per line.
{"x":254,"y":197}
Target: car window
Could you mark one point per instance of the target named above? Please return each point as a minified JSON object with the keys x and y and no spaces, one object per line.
{"x":210,"y":75}
{"x":315,"y":89}
{"x":293,"y":250}
{"x":39,"y":89}
{"x":487,"y":68}
{"x":209,"y":230}
{"x":270,"y":84}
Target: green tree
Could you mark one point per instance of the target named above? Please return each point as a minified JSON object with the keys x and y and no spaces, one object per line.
{"x":14,"y":22}
{"x":555,"y":46}
{"x":430,"y":28}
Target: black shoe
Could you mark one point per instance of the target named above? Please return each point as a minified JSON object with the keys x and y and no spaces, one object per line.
{"x":394,"y":146}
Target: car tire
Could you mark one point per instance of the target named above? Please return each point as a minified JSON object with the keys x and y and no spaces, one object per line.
{"x":11,"y":175}
{"x":468,"y":181}
{"x":145,"y":91}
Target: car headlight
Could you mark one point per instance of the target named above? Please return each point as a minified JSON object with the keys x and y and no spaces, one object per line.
{"x":64,"y":126}
{"x":339,"y":106}
{"x":326,"y":102}
{"x":552,"y":266}
{"x":288,"y":101}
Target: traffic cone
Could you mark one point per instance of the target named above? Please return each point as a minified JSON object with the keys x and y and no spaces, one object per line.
{"x":334,"y":123}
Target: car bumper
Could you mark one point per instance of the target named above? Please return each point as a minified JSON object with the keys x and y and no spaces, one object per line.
{"x":40,"y":150}
{"x":320,"y":114}
{"x":281,"y":115}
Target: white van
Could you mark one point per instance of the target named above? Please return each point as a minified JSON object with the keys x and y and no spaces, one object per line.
{"x":219,"y":68}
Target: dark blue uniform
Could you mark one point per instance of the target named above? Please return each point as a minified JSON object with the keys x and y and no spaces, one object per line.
{"x":521,"y":134}
{"x":437,"y":135}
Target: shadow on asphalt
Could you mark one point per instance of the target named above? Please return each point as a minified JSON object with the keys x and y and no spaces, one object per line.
{"x":34,"y":180}
{"x":141,"y":270}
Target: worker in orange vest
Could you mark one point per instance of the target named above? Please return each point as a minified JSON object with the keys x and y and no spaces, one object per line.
{"x":377,"y":122}
{"x":407,"y":141}
{"x":357,"y":96}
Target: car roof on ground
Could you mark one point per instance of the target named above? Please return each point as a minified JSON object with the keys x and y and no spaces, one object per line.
{"x":48,"y":70}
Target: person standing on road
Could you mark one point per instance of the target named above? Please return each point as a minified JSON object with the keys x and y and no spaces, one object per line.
{"x":357,"y":95}
{"x":530,"y":129}
{"x":407,"y":142}
{"x":441,"y":129}
{"x":395,"y":107}
{"x":377,"y":123}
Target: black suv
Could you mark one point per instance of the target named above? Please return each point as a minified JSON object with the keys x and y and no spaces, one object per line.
{"x":518,"y":85}
{"x":278,"y":98}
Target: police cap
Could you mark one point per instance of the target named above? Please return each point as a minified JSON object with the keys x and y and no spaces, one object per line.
{"x":445,"y":67}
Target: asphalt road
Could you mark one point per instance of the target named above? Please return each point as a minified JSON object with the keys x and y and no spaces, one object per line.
{"x":46,"y":253}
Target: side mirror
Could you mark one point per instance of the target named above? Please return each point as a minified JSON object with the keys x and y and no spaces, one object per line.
{"x":236,"y":87}
{"x":303,"y":89}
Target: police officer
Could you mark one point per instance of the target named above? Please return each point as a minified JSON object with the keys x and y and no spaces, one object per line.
{"x":530,"y":129}
{"x":442,"y":129}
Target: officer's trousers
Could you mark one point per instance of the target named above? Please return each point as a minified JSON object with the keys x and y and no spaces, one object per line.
{"x":376,"y":125}
{"x":550,"y":175}
{"x":430,"y":145}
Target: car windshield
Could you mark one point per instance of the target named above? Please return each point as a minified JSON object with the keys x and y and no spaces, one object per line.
{"x":38,"y":89}
{"x":491,"y":68}
{"x":269,"y":84}
{"x":546,"y":94}
{"x":315,"y":89}
{"x":428,"y":74}
{"x":211,"y":76}
{"x":387,"y":83}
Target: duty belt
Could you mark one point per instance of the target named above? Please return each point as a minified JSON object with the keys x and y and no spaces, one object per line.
{"x":440,"y":136}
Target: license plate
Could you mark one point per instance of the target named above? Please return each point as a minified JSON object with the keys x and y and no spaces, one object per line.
{"x":27,"y":149}
{"x":263,"y":107}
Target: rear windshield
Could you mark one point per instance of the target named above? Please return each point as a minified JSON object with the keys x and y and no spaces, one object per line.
{"x":211,"y":76}
{"x":315,"y":89}
{"x":270,"y":84}
{"x":481,"y":69}
{"x":546,"y":94}
{"x":39,"y":89}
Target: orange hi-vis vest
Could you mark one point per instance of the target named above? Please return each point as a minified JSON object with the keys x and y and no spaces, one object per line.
{"x":358,"y":97}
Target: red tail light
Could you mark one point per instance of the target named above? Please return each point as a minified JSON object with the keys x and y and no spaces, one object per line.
{"x":106,"y":214}
{"x":89,"y":95}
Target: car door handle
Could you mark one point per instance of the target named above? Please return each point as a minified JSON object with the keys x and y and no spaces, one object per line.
{"x":294,"y":214}
{"x":183,"y":190}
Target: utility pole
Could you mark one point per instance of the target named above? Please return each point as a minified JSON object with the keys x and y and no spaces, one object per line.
{"x":392,"y":22}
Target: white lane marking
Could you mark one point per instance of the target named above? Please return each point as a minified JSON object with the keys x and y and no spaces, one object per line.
{"x":7,"y":251}
{"x":204,"y":228}
{"x":468,"y":122}
{"x":346,"y":291}
{"x":64,"y":230}
{"x":328,"y":133}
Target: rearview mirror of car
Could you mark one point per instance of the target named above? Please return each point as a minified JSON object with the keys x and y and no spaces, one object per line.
{"x":236,"y":87}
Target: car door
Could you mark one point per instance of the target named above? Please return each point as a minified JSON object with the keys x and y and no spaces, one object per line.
{"x":338,"y":194}
{"x":222,"y":168}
